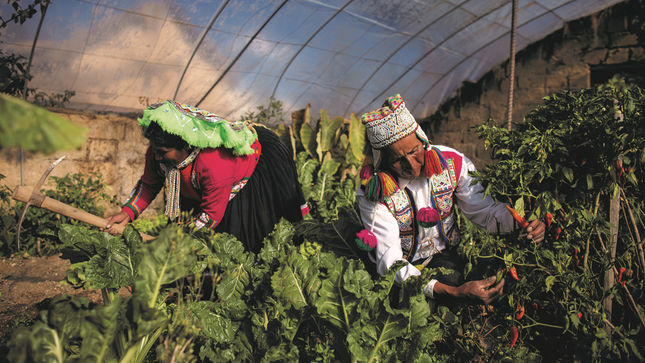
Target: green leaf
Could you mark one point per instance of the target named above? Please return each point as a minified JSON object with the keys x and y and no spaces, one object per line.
{"x":308,"y":136}
{"x":329,"y":165}
{"x":277,"y":245}
{"x":71,"y":324}
{"x":341,"y":292}
{"x":519,"y":206}
{"x":213,"y":324}
{"x":168,"y":258}
{"x":328,"y":130}
{"x":356,"y":136}
{"x":550,"y":280}
{"x":306,"y":168}
{"x":295,"y":282}
{"x":568,"y":173}
{"x":36,"y":129}
{"x":298,"y":118}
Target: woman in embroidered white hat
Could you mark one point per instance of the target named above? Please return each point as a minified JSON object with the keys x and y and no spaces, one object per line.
{"x":406,"y":202}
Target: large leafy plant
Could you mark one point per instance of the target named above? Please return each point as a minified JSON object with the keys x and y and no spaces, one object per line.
{"x":201,"y":297}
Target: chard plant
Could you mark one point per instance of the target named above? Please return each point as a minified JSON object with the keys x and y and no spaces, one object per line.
{"x":201,"y":297}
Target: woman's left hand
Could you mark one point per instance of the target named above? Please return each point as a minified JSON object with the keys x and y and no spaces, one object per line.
{"x":536,"y":230}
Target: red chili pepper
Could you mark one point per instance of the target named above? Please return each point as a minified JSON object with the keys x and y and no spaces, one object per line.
{"x":558,"y":230}
{"x":521,"y":220}
{"x":535,"y":306}
{"x":579,"y":316}
{"x":549,"y":219}
{"x":619,"y":168}
{"x":520,"y":311}
{"x":514,"y":273}
{"x":514,"y":335}
{"x":576,"y":257}
{"x":620,"y":276}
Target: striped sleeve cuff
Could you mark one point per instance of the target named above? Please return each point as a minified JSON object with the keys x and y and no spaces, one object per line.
{"x":130,"y":206}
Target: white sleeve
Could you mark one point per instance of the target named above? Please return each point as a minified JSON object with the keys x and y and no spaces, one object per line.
{"x":483,"y":212}
{"x":388,"y":244}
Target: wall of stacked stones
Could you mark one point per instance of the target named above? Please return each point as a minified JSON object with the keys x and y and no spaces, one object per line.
{"x":561,"y":61}
{"x":115,"y":149}
{"x":115,"y":146}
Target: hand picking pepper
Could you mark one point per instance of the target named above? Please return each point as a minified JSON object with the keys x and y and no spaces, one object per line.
{"x":514,"y":273}
{"x":521,"y":220}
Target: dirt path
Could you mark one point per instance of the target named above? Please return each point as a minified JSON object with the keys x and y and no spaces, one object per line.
{"x":25,"y":284}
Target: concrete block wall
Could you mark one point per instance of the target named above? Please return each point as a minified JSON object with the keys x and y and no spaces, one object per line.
{"x":561,"y":61}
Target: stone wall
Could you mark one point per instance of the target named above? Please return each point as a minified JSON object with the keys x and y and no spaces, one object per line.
{"x":561,"y":61}
{"x":115,"y":148}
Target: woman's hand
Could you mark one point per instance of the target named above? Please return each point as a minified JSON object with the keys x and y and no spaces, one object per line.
{"x":536,"y":230}
{"x":473,"y":290}
{"x":121,"y":218}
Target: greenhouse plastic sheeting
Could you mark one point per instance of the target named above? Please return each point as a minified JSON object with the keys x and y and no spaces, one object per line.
{"x":230,"y":56}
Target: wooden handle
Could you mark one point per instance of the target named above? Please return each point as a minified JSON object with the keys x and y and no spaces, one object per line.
{"x":23,"y":193}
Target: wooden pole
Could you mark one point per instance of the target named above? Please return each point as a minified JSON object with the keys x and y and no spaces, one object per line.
{"x":614,"y":217}
{"x":511,"y":81}
{"x":23,"y":193}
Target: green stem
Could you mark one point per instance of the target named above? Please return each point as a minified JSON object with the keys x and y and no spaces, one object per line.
{"x":542,"y":324}
{"x":143,"y":352}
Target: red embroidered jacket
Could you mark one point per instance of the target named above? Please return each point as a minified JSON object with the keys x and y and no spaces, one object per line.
{"x":214,"y":173}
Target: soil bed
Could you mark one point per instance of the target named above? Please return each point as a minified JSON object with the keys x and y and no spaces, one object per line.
{"x":28,"y":285}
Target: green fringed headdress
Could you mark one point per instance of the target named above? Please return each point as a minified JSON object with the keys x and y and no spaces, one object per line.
{"x":200,"y":128}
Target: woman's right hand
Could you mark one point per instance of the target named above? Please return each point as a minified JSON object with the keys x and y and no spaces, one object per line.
{"x":121,"y":218}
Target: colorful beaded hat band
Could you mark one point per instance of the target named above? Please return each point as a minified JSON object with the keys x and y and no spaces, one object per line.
{"x":383,"y":127}
{"x":200,"y":128}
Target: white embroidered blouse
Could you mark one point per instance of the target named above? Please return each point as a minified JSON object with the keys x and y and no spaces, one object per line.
{"x":483,"y":212}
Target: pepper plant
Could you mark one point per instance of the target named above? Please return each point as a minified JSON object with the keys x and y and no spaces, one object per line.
{"x":564,"y":165}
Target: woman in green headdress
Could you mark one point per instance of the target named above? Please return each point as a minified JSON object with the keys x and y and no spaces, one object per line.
{"x":234,"y":177}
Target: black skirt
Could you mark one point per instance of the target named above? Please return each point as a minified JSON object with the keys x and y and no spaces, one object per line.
{"x":272,"y":192}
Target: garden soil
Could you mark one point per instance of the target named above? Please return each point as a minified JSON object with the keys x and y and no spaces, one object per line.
{"x":28,"y":285}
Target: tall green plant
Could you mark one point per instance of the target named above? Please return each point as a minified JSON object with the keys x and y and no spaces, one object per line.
{"x":565,"y":161}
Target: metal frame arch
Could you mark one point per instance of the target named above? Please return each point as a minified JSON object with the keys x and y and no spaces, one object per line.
{"x":240,"y":54}
{"x":201,"y":39}
{"x":380,"y":95}
{"x":305,"y":44}
{"x":479,"y":49}
{"x":395,"y":52}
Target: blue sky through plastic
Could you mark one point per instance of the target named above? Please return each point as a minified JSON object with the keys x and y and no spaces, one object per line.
{"x":341,"y":55}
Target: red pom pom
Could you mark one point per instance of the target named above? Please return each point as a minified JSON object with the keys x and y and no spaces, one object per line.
{"x":366,"y":171}
{"x":428,"y":217}
{"x":366,"y":240}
